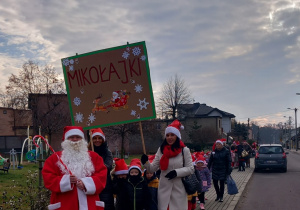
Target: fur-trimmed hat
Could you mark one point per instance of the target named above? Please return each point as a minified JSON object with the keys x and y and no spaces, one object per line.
{"x":121,"y":167}
{"x":175,"y":128}
{"x":72,"y":131}
{"x":135,"y":163}
{"x":98,"y":132}
{"x":200,"y":159}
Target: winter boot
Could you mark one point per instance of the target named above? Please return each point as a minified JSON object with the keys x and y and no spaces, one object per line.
{"x":202,"y":206}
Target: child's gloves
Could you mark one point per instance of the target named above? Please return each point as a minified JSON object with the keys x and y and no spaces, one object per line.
{"x":171,"y":175}
{"x":144,"y":159}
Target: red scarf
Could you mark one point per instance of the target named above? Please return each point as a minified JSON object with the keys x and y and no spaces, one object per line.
{"x":169,"y":153}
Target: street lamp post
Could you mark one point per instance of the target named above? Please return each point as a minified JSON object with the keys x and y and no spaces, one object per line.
{"x":290,"y":140}
{"x":296,"y":127}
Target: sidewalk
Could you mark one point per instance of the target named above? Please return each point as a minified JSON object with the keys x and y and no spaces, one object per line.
{"x":241,"y":179}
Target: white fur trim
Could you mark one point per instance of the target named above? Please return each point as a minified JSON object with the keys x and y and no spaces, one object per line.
{"x":200,"y":161}
{"x":65,"y":184}
{"x":82,"y":199}
{"x":73,"y":132}
{"x":121,"y":172}
{"x":174,"y":130}
{"x":135,"y":167}
{"x":219,"y":141}
{"x":54,"y":206}
{"x":89,"y":185}
{"x":100,"y":203}
{"x":98,"y":134}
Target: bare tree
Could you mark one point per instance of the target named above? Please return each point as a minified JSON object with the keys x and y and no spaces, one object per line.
{"x":174,"y":92}
{"x":32,"y":78}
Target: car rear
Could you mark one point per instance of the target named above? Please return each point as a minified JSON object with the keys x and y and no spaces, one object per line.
{"x":271,"y":157}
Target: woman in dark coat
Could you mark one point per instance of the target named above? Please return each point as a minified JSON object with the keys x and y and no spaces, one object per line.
{"x":101,"y":148}
{"x":220,"y":161}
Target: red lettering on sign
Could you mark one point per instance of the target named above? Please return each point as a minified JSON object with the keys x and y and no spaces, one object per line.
{"x":70,"y":78}
{"x":94,"y":69}
{"x":124,"y":82}
{"x":83,"y":76}
{"x":112,"y":69}
{"x":131,"y":68}
{"x":101,"y":74}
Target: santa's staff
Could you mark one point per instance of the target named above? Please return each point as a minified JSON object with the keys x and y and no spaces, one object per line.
{"x":46,"y":142}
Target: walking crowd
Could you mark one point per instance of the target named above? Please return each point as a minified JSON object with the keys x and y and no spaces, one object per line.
{"x":86,"y":176}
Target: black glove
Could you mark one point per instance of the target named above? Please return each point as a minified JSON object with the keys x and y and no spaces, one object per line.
{"x":171,"y":175}
{"x":144,"y":159}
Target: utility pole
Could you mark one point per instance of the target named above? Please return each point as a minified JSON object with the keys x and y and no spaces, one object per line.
{"x":296,"y":136}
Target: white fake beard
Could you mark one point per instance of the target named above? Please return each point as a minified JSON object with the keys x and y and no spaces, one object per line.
{"x":77,"y":159}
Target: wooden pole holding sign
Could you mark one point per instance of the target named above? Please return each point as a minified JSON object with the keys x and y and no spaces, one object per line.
{"x":142,"y":136}
{"x":91,"y":141}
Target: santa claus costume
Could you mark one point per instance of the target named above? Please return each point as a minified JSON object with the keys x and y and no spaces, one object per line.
{"x":76,"y":160}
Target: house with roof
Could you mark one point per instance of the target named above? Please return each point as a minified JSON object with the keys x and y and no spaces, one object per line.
{"x":205,"y":117}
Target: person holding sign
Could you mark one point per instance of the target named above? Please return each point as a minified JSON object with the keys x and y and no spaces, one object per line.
{"x":101,"y":148}
{"x":169,"y":158}
{"x":75,"y":176}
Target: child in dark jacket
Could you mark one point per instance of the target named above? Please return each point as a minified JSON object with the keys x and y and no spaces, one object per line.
{"x":205,"y":177}
{"x":134,"y":193}
{"x":153,"y":183}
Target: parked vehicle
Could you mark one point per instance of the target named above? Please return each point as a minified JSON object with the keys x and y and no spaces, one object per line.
{"x":271,"y":156}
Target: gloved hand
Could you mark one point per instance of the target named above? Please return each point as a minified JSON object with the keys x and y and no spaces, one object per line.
{"x":144,"y":159}
{"x":171,"y":175}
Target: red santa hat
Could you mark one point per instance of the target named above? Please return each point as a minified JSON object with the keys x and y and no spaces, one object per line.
{"x":121,"y":167}
{"x":175,"y":128}
{"x":98,"y":132}
{"x":135,"y":163}
{"x":151,"y":158}
{"x":72,"y":131}
{"x":200,"y":159}
{"x":220,"y":141}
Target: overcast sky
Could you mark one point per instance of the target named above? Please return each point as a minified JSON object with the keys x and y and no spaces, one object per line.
{"x":240,"y":56}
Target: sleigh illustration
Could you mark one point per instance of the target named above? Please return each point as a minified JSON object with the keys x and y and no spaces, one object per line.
{"x":118,"y":102}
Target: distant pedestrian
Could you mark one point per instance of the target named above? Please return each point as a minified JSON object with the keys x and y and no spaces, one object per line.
{"x":220,"y":162}
{"x":248,"y":149}
{"x":240,"y":149}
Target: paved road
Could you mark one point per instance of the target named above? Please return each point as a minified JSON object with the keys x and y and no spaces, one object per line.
{"x":273,"y":189}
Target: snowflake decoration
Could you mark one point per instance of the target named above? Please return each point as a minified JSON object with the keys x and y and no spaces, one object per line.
{"x":138,"y":116}
{"x":138,"y":88}
{"x":143,"y":57}
{"x":82,"y":91}
{"x":71,"y":68}
{"x":92,"y":118}
{"x":133,"y":112}
{"x":77,"y":101}
{"x":128,"y":49}
{"x":76,"y":60}
{"x":132,"y":81}
{"x":136,"y":51}
{"x":79,"y":117}
{"x":66,"y":62}
{"x":71,"y":61}
{"x":88,"y":123}
{"x":142,"y":104}
{"x":125,"y":55}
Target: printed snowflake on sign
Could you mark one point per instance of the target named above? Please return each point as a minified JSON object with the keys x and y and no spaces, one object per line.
{"x":76,"y":60}
{"x":138,"y":116}
{"x":143,"y":57}
{"x":132,"y":81}
{"x":79,"y":117}
{"x":71,"y":61}
{"x":136,"y":51}
{"x":77,"y":101}
{"x":66,"y":62}
{"x":82,"y":91}
{"x":128,"y":49}
{"x":92,"y":118}
{"x":138,"y":88}
{"x":125,"y":55}
{"x":142,"y":104}
{"x":133,"y":112}
{"x":71,"y":68}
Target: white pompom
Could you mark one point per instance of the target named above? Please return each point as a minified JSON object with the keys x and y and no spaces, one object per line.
{"x":181,"y":127}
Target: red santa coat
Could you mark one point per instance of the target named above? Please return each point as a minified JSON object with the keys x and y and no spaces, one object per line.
{"x":67,"y":196}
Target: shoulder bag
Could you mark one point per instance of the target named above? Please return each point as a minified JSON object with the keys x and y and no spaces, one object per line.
{"x":190,"y":182}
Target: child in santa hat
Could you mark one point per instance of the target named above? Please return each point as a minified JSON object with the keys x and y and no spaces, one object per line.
{"x":134,"y":193}
{"x":119,"y":176}
{"x":205,"y":178}
{"x":153,"y":183}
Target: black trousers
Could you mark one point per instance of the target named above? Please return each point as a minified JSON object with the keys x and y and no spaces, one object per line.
{"x":219,"y":188}
{"x":201,"y":197}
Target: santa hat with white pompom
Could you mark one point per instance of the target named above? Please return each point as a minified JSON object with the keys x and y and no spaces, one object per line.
{"x":175,"y":128}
